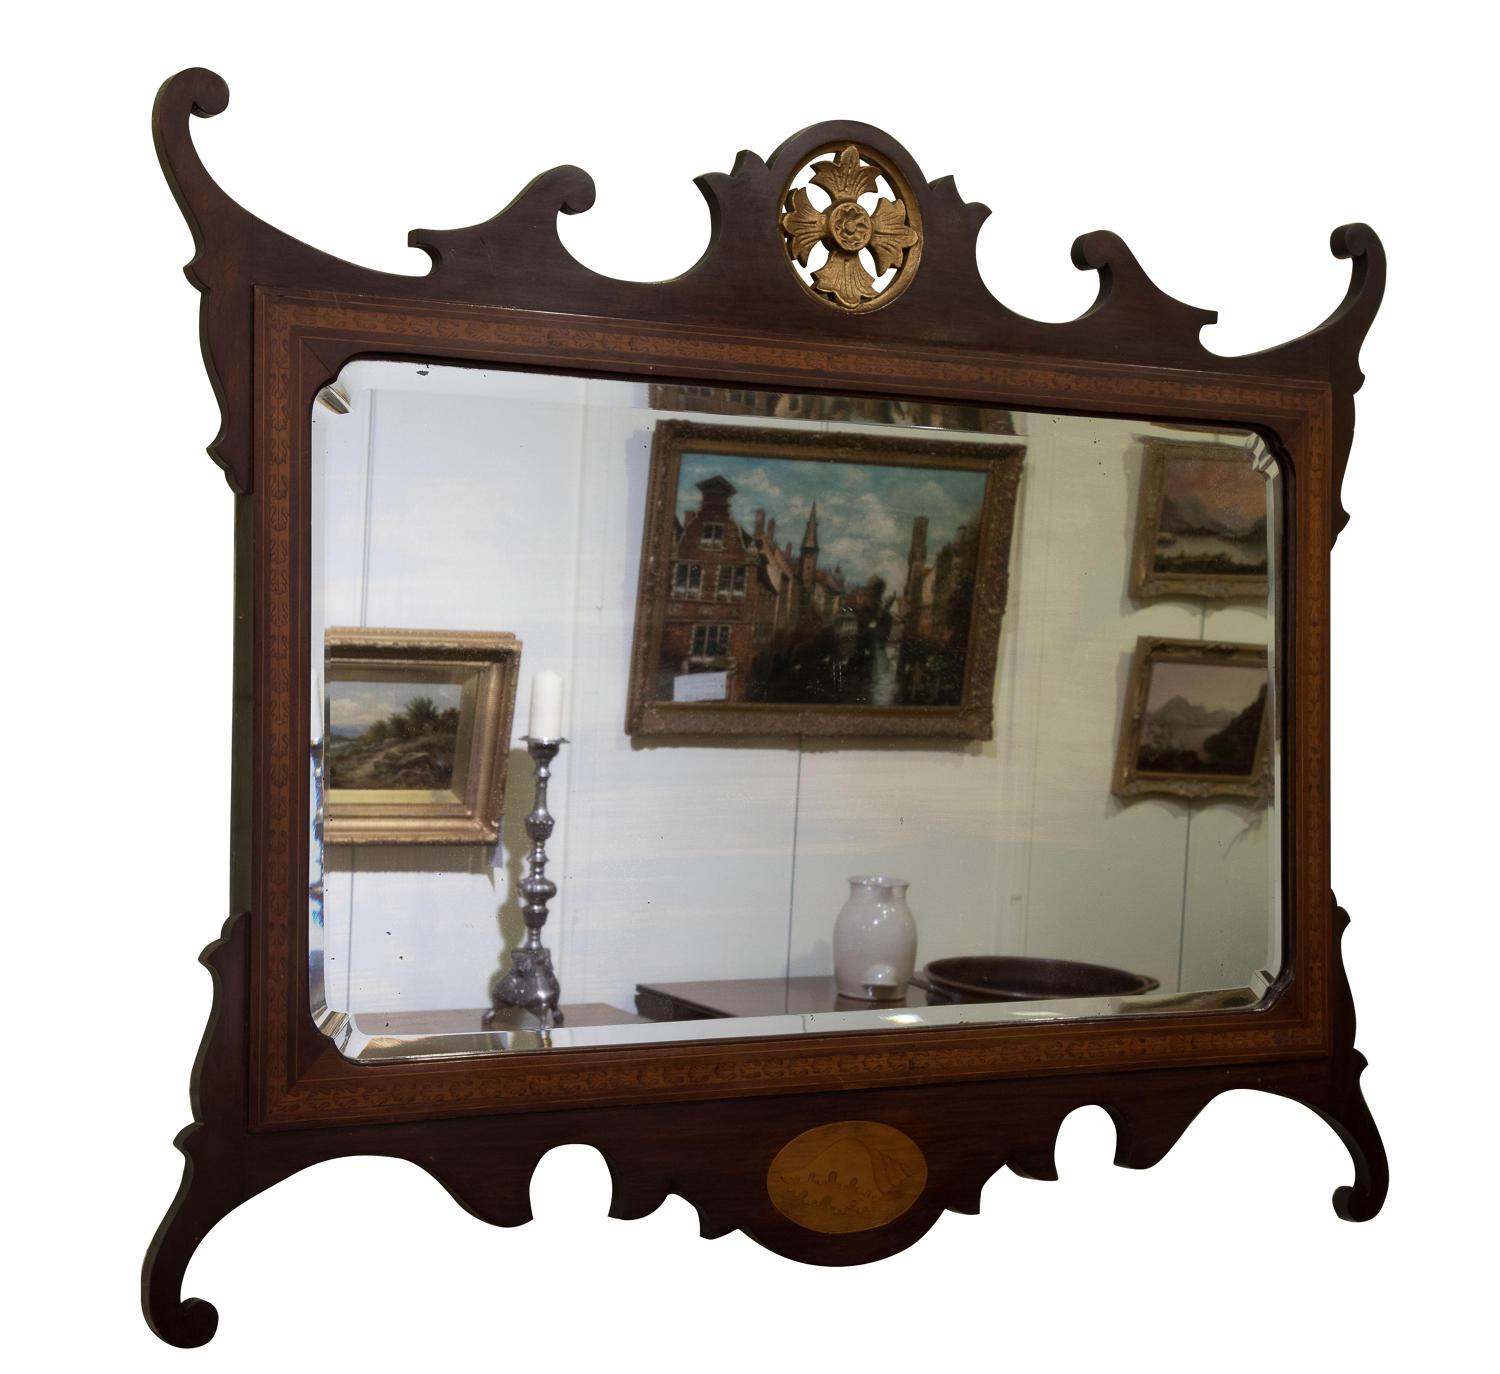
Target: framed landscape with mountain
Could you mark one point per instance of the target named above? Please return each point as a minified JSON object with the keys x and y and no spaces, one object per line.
{"x":830,"y":584}
{"x":416,"y":734}
{"x":1201,"y":523}
{"x":1196,"y":722}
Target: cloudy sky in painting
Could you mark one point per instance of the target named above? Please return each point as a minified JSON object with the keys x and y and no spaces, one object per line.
{"x":865,"y":510}
{"x":1230,"y":495}
{"x":358,"y":705}
{"x":1213,"y":686}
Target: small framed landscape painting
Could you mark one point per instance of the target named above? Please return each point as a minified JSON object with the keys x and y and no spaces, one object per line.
{"x":1201,"y":527}
{"x":1197,"y":722}
{"x":416,"y":735}
{"x":797,"y":583}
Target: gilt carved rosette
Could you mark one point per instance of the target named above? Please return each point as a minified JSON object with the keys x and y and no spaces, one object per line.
{"x":886,"y":233}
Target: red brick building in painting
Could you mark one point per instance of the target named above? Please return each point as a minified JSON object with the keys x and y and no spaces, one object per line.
{"x":924,"y":609}
{"x":732,"y":589}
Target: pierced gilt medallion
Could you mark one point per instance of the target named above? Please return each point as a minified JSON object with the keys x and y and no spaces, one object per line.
{"x":860,"y":250}
{"x":847,"y":1176}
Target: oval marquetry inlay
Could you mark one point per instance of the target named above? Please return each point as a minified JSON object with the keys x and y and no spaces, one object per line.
{"x":847,"y":1176}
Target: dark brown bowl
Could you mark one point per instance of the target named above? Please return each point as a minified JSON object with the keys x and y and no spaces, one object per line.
{"x":1014,"y":978}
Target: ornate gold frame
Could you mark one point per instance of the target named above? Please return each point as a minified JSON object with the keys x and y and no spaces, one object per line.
{"x":1129,"y":781}
{"x":970,"y":719}
{"x":1145,"y":582}
{"x":492,"y":663}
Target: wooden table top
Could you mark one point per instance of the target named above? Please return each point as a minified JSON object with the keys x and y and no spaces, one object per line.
{"x":464,"y":1020}
{"x":763,"y":997}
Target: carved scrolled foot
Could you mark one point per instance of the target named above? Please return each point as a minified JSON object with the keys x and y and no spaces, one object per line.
{"x":186,"y":1324}
{"x":1342,"y":1104}
{"x":1352,"y":1123}
{"x":201,"y":1202}
{"x":1356,"y":1127}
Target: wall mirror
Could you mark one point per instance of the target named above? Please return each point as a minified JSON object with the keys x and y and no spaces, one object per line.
{"x":867,"y":639}
{"x":801,"y":728}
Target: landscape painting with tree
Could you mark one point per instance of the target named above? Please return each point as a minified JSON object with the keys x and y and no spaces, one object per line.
{"x":392,"y":734}
{"x":416,"y":735}
{"x":1202,"y":528}
{"x":1197,"y":722}
{"x":821,"y":584}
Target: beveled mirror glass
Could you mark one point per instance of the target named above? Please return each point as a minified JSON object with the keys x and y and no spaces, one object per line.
{"x":1016,"y":672}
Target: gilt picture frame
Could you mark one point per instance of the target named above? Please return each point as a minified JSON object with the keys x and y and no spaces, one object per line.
{"x":1198,"y":721}
{"x":416,"y":737}
{"x":821,"y":408}
{"x":820,"y":584}
{"x":1201,"y":524}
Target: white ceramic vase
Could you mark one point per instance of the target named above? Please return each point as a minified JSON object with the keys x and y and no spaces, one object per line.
{"x":875,"y":941}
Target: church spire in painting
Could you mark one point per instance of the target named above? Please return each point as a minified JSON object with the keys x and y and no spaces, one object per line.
{"x":810,"y":537}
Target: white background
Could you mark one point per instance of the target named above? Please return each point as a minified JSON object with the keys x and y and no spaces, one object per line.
{"x":1223,"y":144}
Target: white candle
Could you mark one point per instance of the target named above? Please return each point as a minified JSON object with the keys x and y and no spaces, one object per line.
{"x":546,"y":705}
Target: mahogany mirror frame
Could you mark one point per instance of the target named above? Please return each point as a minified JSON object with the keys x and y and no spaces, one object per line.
{"x":272,"y":1094}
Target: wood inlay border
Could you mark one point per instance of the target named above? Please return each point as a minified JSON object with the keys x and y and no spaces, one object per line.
{"x":305,"y":337}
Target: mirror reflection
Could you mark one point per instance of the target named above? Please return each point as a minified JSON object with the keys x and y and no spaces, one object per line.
{"x":647,"y":711}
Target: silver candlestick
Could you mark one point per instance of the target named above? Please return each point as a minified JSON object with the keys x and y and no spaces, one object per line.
{"x":530,"y":982}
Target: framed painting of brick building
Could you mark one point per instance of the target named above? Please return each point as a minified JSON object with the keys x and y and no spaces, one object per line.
{"x":827,"y":584}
